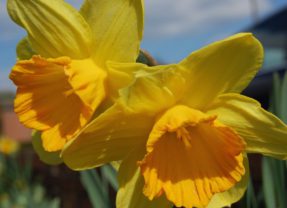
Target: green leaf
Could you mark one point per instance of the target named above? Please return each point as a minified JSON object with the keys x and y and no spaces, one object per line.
{"x":274,"y":101}
{"x":274,"y":180}
{"x":250,"y":196}
{"x":268,"y":184}
{"x":96,"y":191}
{"x":283,"y":96}
{"x":98,"y":185}
{"x":51,"y":158}
{"x":110,"y":173}
{"x":274,"y":171}
{"x":24,"y":50}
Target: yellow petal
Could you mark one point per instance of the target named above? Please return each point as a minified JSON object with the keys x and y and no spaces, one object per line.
{"x":120,"y":76}
{"x":154,"y":89}
{"x":117,"y":28}
{"x":88,"y":81}
{"x":109,"y":137}
{"x":24,"y":50}
{"x":51,"y":158}
{"x":54,"y":27}
{"x":52,"y":96}
{"x":123,"y":74}
{"x":234,"y":194}
{"x":131,"y":182}
{"x":262,"y":131}
{"x":204,"y":158}
{"x":224,"y":66}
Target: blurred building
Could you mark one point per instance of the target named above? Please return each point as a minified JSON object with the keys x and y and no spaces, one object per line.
{"x":272,"y":32}
{"x":9,"y":123}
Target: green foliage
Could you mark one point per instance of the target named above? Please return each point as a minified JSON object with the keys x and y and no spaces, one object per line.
{"x":98,"y":184}
{"x":272,"y":194}
{"x":17,"y":189}
{"x":51,"y":158}
{"x":24,"y":50}
{"x":274,"y":171}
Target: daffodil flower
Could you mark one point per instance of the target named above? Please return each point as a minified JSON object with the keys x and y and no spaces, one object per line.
{"x":183,"y":130}
{"x":60,"y":88}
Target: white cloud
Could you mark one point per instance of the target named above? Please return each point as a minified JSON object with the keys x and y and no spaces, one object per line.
{"x":167,"y":18}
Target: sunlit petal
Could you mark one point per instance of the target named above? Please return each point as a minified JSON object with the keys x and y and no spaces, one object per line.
{"x":54,"y":27}
{"x":121,"y":75}
{"x":234,"y":194}
{"x":50,"y":98}
{"x":262,"y":131}
{"x":162,"y":84}
{"x":131,"y":185}
{"x":117,"y":28}
{"x":224,"y":66}
{"x":109,"y":137}
{"x":204,"y":158}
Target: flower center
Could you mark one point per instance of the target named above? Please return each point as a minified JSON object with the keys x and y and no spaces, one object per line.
{"x":183,"y":135}
{"x":190,"y":157}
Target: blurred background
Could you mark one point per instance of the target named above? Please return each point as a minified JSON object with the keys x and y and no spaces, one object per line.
{"x":173,"y":29}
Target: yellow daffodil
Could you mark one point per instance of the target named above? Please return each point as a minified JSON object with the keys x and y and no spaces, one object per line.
{"x":67,"y":80}
{"x":8,"y":146}
{"x":183,"y":130}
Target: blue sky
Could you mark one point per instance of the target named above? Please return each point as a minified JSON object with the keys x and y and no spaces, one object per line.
{"x":173,"y":28}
